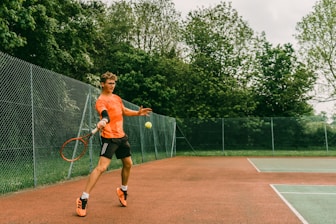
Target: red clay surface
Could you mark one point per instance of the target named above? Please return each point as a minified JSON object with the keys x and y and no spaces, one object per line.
{"x":182,"y":190}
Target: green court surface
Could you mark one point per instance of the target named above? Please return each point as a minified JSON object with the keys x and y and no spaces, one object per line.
{"x":316,"y":165}
{"x":313,"y":204}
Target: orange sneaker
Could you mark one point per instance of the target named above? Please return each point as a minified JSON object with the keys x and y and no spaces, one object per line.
{"x":81,"y":207}
{"x":122,"y":195}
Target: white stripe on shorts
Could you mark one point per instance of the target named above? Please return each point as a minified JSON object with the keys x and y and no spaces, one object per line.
{"x":104,"y":149}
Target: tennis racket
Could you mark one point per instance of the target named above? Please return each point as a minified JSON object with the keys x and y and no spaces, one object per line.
{"x":75,"y":148}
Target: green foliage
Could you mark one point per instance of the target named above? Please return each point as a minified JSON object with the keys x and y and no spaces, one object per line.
{"x":316,"y":36}
{"x":209,"y":65}
{"x":57,"y":35}
{"x":156,"y":27}
{"x":283,"y":83}
{"x":149,"y":92}
{"x":14,"y":17}
{"x":219,"y":42}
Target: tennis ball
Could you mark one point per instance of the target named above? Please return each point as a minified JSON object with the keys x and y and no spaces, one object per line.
{"x":148,"y":124}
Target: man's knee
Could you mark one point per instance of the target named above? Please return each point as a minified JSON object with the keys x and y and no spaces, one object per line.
{"x":103,"y":164}
{"x":101,"y":169}
{"x":127,"y":163}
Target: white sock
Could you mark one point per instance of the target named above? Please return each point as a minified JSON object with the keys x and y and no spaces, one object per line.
{"x":85,"y":195}
{"x":124,"y":187}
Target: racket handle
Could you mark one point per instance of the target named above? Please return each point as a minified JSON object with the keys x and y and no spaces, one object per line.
{"x":94,"y":131}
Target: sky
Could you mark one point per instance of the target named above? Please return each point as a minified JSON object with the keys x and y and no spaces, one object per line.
{"x":277,"y":18}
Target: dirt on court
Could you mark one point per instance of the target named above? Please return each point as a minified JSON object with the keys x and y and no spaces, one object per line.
{"x":180,"y":190}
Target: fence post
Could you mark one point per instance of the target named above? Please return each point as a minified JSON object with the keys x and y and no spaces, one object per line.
{"x":223,"y":135}
{"x":32,"y":123}
{"x":173,"y":148}
{"x":326,"y":136}
{"x":272,"y":132}
{"x":142,"y":139}
{"x":154,"y":139}
{"x":90,"y":122}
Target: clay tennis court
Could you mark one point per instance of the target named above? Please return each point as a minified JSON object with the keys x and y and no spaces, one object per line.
{"x":176,"y":190}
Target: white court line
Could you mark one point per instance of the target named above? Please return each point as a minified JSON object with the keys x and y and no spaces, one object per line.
{"x":308,"y":185}
{"x":299,"y":170}
{"x":290,"y":206}
{"x":313,"y":193}
{"x":255,"y":167}
{"x":291,"y":170}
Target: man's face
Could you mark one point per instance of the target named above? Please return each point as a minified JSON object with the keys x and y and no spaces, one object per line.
{"x":109,"y":85}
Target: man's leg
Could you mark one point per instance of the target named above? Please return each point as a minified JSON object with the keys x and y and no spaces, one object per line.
{"x":81,"y":202}
{"x":125,"y":172}
{"x":102,"y":166}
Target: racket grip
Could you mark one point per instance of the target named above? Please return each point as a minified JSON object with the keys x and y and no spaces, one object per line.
{"x":94,"y":131}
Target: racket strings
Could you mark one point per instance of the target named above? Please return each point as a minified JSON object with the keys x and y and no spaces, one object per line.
{"x":73,"y":149}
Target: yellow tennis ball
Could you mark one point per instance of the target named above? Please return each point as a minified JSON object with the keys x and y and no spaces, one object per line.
{"x":148,"y":124}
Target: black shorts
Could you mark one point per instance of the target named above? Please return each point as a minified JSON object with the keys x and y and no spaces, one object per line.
{"x":118,"y":146}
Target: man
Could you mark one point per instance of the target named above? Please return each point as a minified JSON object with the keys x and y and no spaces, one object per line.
{"x":114,"y":140}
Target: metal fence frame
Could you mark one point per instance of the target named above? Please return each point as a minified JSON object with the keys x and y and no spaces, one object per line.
{"x":256,"y":133}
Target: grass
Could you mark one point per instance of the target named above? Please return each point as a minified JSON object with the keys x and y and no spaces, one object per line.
{"x":18,"y":174}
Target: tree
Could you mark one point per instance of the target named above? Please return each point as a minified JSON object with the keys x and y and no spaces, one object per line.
{"x":144,"y":80}
{"x":220,"y":45}
{"x":147,"y":75}
{"x":156,"y":27}
{"x":13,"y":18}
{"x":56,"y":35}
{"x":115,"y":40}
{"x":316,"y":34}
{"x":283,"y":83}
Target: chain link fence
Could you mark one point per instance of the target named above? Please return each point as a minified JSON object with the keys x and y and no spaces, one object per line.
{"x":273,"y":134}
{"x":40,"y":109}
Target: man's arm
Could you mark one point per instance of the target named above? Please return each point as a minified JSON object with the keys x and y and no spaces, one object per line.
{"x":105,"y":119}
{"x":141,"y":112}
{"x":104,"y":115}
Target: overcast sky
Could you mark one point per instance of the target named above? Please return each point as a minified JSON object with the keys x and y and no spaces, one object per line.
{"x":277,"y":18}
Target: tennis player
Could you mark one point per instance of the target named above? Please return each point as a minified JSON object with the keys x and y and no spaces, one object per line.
{"x":114,"y":140}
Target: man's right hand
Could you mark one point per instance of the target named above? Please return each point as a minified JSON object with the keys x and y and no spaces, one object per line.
{"x":102,"y":123}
